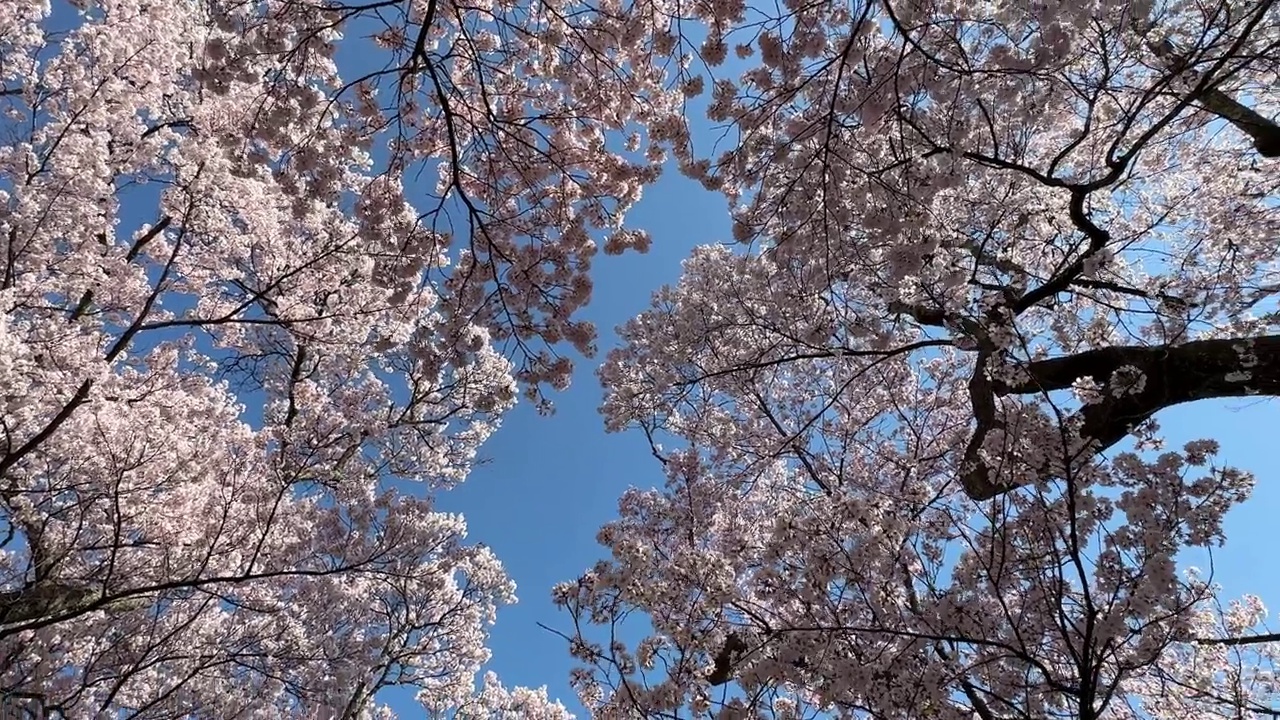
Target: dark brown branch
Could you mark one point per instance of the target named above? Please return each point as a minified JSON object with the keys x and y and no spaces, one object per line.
{"x":41,"y":599}
{"x":1192,"y":371}
{"x":1264,"y":132}
{"x":1171,"y":300}
{"x":920,"y":313}
{"x":1235,"y":641}
{"x":1098,"y":239}
{"x":1172,"y":375}
{"x":722,"y":671}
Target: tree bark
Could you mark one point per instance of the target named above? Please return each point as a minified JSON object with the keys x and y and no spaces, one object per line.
{"x":1172,"y":375}
{"x":42,"y":599}
{"x":1263,"y":131}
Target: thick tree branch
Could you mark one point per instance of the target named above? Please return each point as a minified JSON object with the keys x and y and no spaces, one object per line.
{"x":1245,"y":640}
{"x":41,"y":599}
{"x":722,"y":670}
{"x":1170,"y":375}
{"x":1264,"y":132}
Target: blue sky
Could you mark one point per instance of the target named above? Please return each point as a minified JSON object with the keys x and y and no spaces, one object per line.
{"x":551,"y":482}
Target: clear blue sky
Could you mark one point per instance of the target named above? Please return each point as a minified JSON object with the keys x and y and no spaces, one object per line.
{"x":551,"y":482}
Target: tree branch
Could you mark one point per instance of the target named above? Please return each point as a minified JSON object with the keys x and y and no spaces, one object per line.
{"x":1264,"y":132}
{"x":1170,"y":375}
{"x":722,"y":671}
{"x":1246,"y":640}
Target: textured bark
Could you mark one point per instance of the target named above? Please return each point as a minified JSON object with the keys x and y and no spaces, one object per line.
{"x":42,"y":599}
{"x":1173,"y":375}
{"x":1265,"y":133}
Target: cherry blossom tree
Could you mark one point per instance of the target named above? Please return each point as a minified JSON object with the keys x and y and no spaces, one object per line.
{"x":771,"y":598}
{"x":908,"y":425}
{"x":1071,"y":195}
{"x":272,"y":272}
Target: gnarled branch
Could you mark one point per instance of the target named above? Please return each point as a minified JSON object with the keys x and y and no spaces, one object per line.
{"x":1170,"y":375}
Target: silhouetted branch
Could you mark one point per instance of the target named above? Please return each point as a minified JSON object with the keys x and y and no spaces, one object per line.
{"x":1264,"y":132}
{"x":1169,"y":375}
{"x":722,"y":672}
{"x":1236,"y":641}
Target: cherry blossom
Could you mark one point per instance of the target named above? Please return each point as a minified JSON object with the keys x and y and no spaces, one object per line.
{"x":1059,"y":191}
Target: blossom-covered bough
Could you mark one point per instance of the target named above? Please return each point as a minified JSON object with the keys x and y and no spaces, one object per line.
{"x":270,"y":273}
{"x":985,"y":244}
